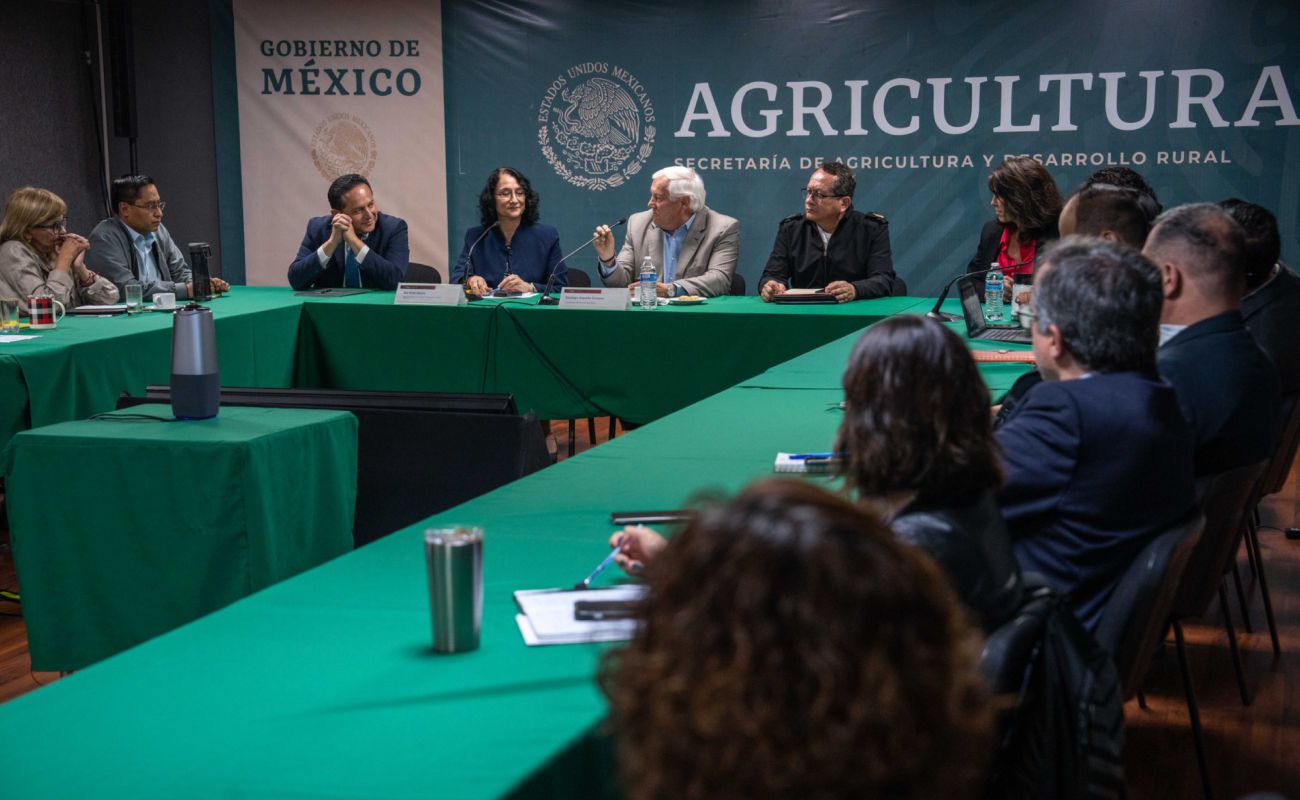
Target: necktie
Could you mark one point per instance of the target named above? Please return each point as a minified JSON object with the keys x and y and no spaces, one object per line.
{"x":351,"y":269}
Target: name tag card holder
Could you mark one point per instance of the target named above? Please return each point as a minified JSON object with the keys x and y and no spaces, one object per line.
{"x":582,"y":297}
{"x":430,"y":294}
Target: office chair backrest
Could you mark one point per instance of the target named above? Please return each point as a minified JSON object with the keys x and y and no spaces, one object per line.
{"x":1137,"y":613}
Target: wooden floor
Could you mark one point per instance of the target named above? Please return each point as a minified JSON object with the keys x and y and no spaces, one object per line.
{"x":1251,"y":749}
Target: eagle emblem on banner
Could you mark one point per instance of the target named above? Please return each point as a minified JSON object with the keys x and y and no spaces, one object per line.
{"x":343,"y":144}
{"x":596,"y":132}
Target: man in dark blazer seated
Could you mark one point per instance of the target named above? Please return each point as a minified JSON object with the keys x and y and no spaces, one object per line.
{"x":831,"y":245}
{"x":1097,"y":456}
{"x":374,"y":252}
{"x":1271,"y":306}
{"x":1227,"y":387}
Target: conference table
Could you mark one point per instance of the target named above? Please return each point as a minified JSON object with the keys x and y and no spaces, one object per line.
{"x":563,"y":363}
{"x":325,"y":685}
{"x":129,"y":525}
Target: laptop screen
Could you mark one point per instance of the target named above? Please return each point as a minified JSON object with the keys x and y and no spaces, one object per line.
{"x":971,"y":309}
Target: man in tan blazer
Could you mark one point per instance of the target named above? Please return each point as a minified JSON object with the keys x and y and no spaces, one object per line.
{"x":694,"y":249}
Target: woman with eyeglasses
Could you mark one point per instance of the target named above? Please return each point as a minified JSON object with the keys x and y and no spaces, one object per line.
{"x":37,"y":253}
{"x":511,"y":250}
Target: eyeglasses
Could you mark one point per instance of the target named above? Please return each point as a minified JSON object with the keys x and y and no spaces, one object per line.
{"x":506,"y":194}
{"x":151,"y":207}
{"x":816,"y":196}
{"x":60,"y":225}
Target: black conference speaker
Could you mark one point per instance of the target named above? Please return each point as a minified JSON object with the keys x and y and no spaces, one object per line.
{"x":418,"y":453}
{"x":121,"y":67}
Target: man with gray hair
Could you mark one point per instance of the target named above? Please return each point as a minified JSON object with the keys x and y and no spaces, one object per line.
{"x":1097,"y":457}
{"x":1227,"y":388}
{"x":694,"y":248}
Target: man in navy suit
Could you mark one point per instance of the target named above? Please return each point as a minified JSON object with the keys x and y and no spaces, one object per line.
{"x":1227,"y":388}
{"x":1097,"y":456}
{"x":374,"y":252}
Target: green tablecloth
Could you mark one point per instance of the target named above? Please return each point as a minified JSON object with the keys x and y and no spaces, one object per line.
{"x":123,"y":530}
{"x":567,"y":363}
{"x":80,"y":368}
{"x":823,"y":367}
{"x":326,"y":686}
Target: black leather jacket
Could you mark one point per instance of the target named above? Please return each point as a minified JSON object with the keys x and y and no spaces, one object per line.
{"x":972,"y":545}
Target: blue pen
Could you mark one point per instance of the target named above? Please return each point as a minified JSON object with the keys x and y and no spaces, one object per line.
{"x":609,"y":559}
{"x":803,"y":456}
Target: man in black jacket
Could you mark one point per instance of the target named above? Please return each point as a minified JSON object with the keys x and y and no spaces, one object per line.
{"x":1227,"y":388}
{"x":831,"y":246}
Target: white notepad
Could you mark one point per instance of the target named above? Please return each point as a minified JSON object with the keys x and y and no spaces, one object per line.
{"x":547,"y":616}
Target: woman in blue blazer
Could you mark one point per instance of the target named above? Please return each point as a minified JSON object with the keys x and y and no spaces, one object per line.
{"x":510,"y":250}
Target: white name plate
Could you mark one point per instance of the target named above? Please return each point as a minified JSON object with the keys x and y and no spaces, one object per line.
{"x":582,"y":297}
{"x":430,"y":294}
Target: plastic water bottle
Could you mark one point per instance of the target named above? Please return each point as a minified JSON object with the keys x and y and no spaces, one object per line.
{"x":993,"y":294}
{"x":646,"y":295}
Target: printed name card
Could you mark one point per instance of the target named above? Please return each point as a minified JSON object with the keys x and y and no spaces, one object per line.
{"x":430,"y":294}
{"x":582,"y":297}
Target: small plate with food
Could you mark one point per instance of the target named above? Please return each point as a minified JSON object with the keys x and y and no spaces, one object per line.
{"x":687,"y":300}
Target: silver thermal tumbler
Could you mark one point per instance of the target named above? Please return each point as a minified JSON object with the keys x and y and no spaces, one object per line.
{"x":454,"y":559}
{"x":196,"y":381}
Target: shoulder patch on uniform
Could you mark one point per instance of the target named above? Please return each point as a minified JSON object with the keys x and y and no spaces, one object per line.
{"x":878,"y":217}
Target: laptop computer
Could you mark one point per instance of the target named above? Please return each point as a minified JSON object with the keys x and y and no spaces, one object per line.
{"x":977,"y":328}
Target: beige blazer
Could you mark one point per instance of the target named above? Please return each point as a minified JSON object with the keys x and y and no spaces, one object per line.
{"x":704,"y":266}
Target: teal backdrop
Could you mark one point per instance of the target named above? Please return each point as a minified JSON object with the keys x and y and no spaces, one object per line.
{"x":589,"y":98}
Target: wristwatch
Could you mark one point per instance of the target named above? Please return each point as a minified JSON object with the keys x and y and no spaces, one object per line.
{"x":672,"y":290}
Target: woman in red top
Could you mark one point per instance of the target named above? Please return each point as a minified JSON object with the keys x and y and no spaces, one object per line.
{"x":1027,"y":204}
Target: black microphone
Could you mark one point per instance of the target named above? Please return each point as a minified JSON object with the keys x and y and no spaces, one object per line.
{"x":546,"y":299}
{"x":944,"y":316}
{"x":469,"y":257}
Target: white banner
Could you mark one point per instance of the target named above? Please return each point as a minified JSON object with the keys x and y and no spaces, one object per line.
{"x":329,"y":87}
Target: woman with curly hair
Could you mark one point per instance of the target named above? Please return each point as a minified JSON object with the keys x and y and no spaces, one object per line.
{"x":791,"y":647}
{"x":918,"y":443}
{"x":1027,"y":205}
{"x":513,"y":252}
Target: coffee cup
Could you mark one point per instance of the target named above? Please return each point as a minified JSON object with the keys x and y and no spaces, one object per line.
{"x":43,"y":312}
{"x":164,"y":301}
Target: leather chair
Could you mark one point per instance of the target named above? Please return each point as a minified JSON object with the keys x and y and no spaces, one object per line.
{"x":1226,"y":500}
{"x":1137,"y":615}
{"x":422,"y":273}
{"x":737,"y":285}
{"x":1009,"y":648}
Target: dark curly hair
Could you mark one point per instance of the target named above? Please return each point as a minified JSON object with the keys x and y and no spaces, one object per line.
{"x":487,"y":201}
{"x":916,"y":415}
{"x":790,"y":647}
{"x":1029,"y":195}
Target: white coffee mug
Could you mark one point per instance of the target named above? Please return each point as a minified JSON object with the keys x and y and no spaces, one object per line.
{"x":164,"y":300}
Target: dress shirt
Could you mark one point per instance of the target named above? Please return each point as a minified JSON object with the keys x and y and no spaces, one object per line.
{"x":143,"y":244}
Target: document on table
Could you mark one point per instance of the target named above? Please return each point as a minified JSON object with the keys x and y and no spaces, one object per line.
{"x":547,"y":616}
{"x":97,"y":311}
{"x":17,"y":337}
